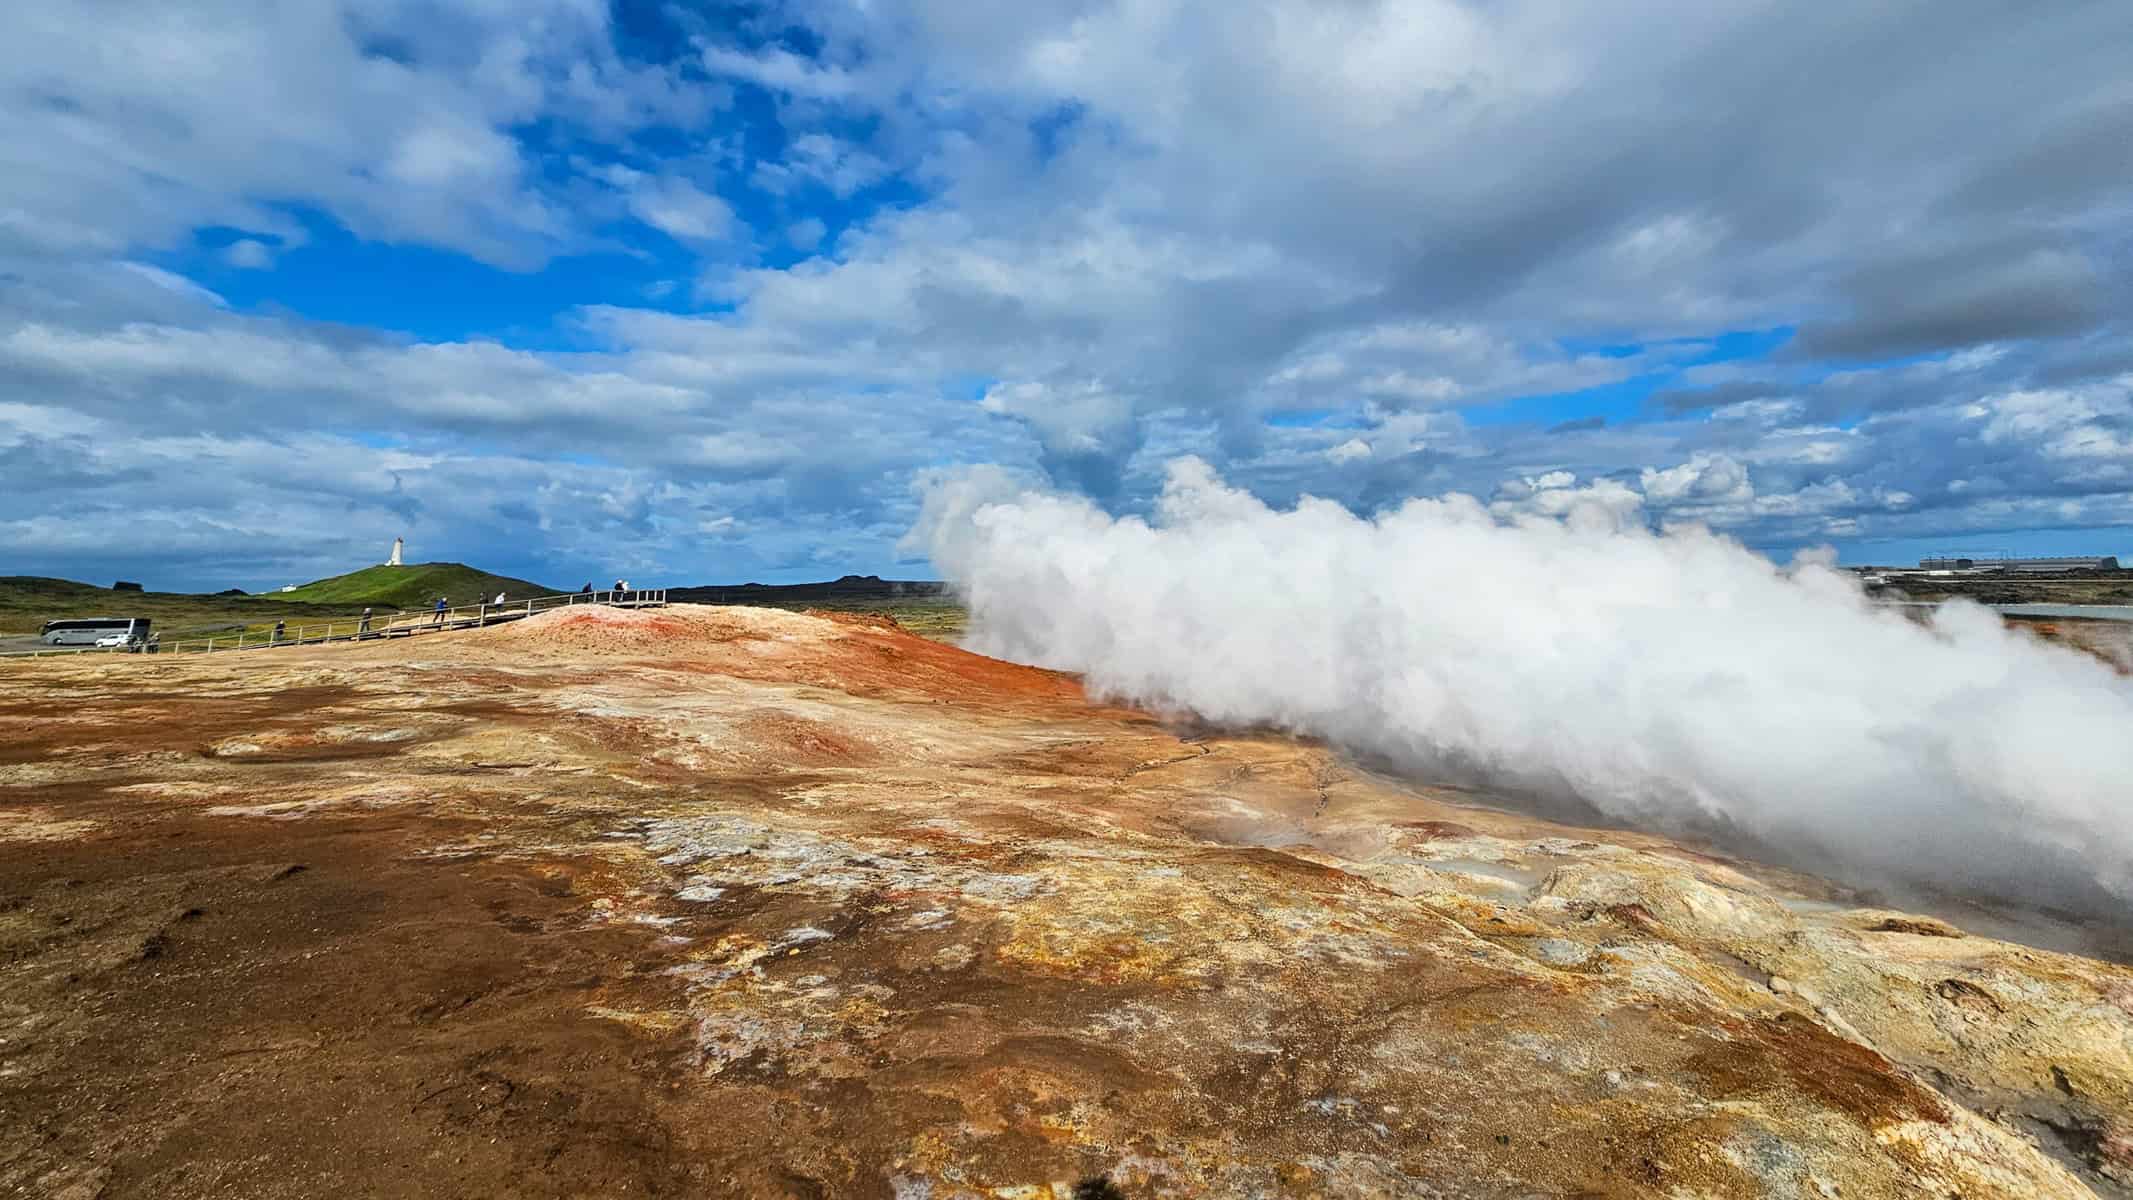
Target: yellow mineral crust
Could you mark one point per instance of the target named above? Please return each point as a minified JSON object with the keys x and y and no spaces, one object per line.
{"x":726,"y":902}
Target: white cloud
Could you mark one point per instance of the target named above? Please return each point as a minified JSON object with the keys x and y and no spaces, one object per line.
{"x":1349,"y":451}
{"x":680,"y":209}
{"x":1129,"y":228}
{"x":1076,"y":417}
{"x":817,"y":158}
{"x":248,"y":254}
{"x":781,"y":71}
{"x":1704,"y":479}
{"x":446,"y":154}
{"x":2093,"y":423}
{"x":116,"y":133}
{"x":175,"y":284}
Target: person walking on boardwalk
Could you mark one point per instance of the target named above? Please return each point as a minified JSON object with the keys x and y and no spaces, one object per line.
{"x":439,"y":618}
{"x":280,"y":627}
{"x":362,"y":630}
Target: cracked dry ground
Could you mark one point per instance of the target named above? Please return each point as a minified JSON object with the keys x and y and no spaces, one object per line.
{"x":722,"y":902}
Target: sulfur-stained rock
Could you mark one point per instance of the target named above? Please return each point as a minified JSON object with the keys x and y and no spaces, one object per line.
{"x":716,"y":902}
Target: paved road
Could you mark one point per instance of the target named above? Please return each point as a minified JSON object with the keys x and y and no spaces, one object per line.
{"x":31,"y":644}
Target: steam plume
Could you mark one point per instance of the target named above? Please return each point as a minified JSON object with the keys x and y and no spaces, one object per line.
{"x":1672,"y":680}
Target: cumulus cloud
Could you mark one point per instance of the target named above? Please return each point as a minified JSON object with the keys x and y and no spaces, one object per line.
{"x":1705,"y":478}
{"x":1365,"y":251}
{"x":395,"y":119}
{"x":95,"y":498}
{"x":1569,"y":652}
{"x":1423,"y":236}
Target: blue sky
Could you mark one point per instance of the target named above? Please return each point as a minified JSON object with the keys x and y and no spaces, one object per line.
{"x":709,"y":293}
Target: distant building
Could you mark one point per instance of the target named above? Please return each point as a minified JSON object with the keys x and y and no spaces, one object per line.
{"x":2104,"y":563}
{"x":2029,"y":566}
{"x":394,"y":561}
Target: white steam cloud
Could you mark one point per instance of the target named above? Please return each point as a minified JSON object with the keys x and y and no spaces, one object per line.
{"x":1672,"y":680}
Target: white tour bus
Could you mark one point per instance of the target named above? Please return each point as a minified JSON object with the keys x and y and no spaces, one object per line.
{"x":96,"y":631}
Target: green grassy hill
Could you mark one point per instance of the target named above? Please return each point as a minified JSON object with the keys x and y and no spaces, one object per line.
{"x":28,"y":601}
{"x":414,"y":586}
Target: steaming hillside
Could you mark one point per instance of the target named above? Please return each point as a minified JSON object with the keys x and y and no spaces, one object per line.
{"x":1673,"y":681}
{"x":711,"y":902}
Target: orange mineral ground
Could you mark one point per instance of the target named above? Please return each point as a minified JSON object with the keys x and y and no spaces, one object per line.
{"x":737,"y":902}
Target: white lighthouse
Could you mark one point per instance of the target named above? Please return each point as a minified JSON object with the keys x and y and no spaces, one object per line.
{"x":394,"y":561}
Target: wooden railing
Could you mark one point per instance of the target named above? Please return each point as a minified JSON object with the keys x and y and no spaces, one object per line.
{"x":394,"y":625}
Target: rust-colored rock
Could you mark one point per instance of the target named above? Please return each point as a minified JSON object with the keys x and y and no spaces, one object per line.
{"x":720,"y":902}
